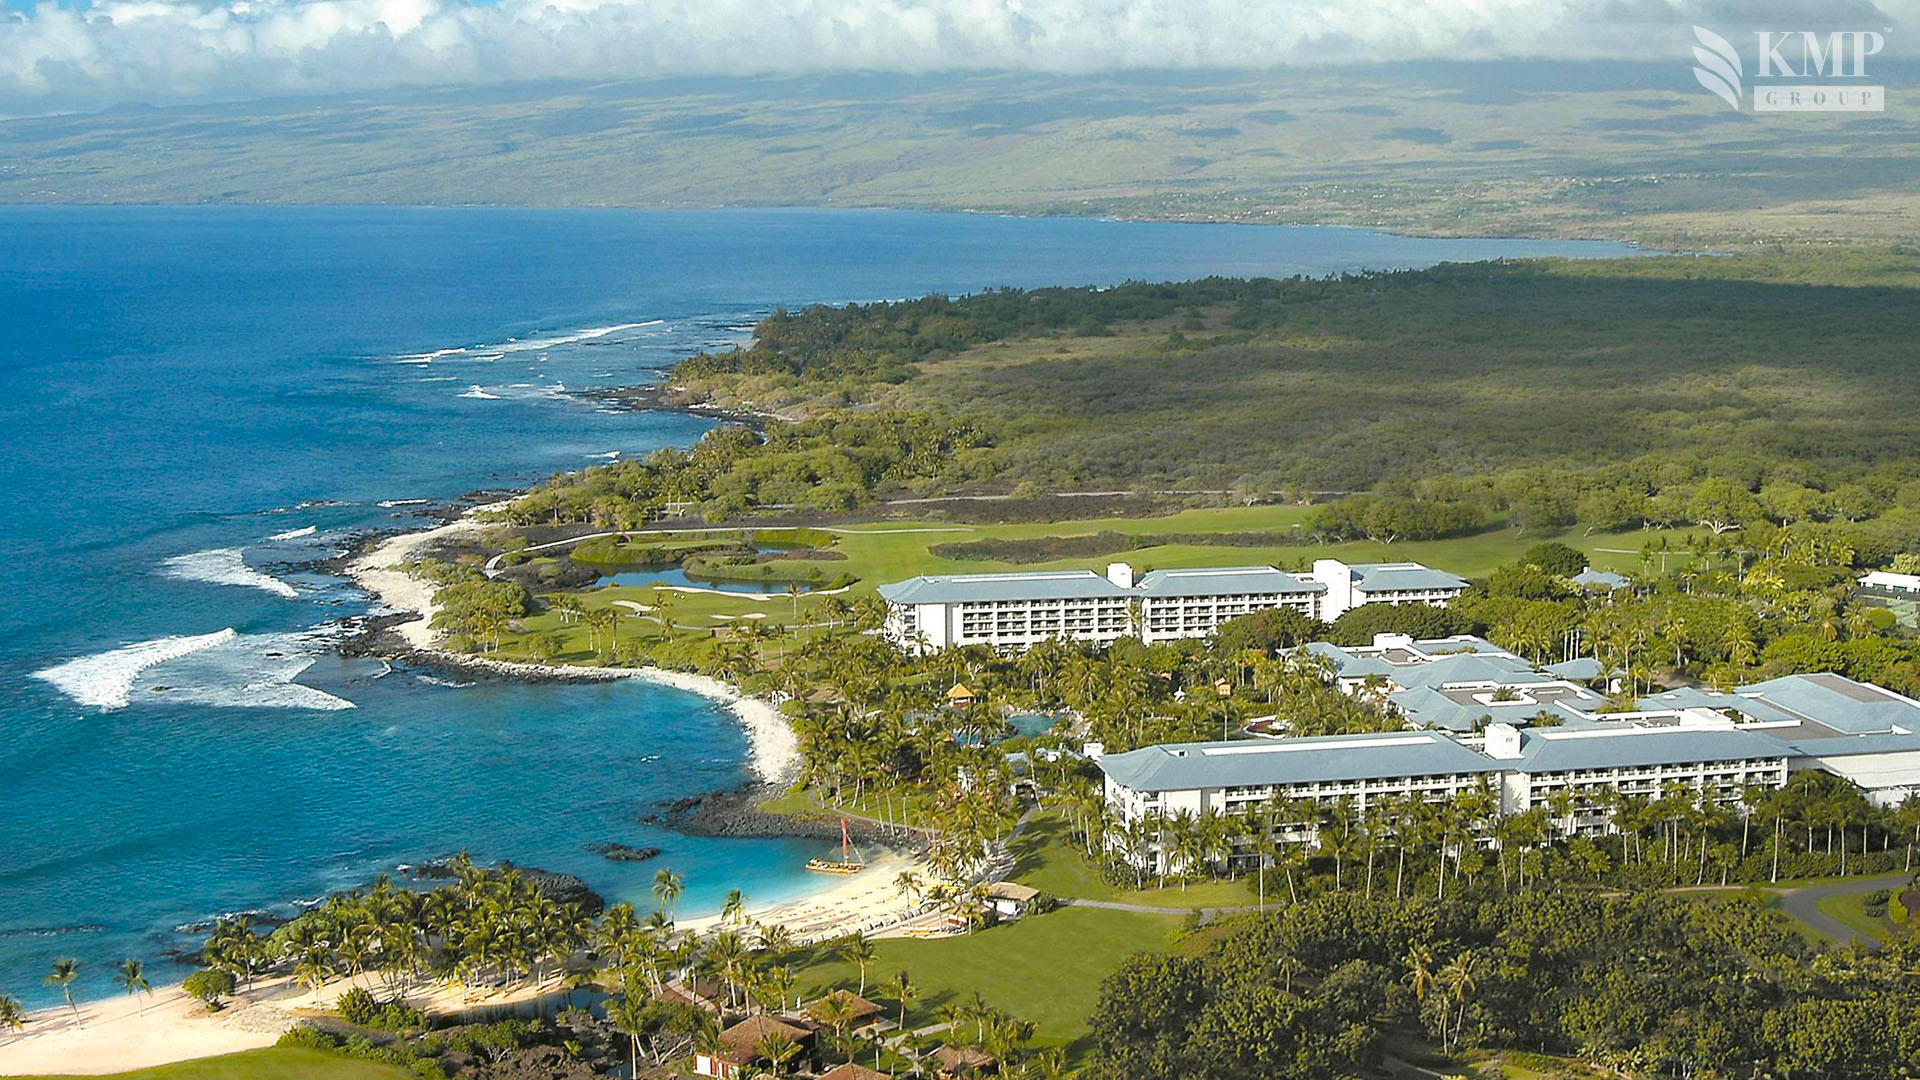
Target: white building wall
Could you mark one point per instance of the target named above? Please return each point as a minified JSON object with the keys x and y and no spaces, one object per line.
{"x":1170,"y":618}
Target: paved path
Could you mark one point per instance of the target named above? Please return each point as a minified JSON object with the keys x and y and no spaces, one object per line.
{"x":1207,"y":914}
{"x":1804,"y":904}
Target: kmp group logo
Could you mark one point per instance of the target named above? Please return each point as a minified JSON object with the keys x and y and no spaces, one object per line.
{"x":1787,"y":64}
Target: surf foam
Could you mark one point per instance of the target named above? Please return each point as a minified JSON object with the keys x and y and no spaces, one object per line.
{"x":223,"y":669}
{"x":105,"y":680}
{"x":295,"y":534}
{"x":225,"y":566}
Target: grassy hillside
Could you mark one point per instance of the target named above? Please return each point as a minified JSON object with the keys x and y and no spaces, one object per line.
{"x":1633,"y":150}
{"x":1465,"y":369}
{"x":1342,"y":385}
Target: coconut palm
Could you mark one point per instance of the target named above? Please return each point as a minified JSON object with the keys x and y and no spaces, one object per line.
{"x":904,"y":991}
{"x":734,"y":910}
{"x":777,"y":1047}
{"x":667,"y":887}
{"x":131,"y":976}
{"x":12,"y":1016}
{"x":628,"y":1015}
{"x":857,"y":949}
{"x":65,"y":970}
{"x":908,"y":885}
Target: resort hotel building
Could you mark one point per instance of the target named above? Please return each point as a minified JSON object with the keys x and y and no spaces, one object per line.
{"x":1012,"y":612}
{"x":1482,"y":722}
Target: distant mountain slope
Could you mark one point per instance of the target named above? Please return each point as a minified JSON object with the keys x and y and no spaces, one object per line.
{"x":1558,"y":149}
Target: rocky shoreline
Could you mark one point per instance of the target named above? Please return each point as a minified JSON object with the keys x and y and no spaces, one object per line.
{"x":736,"y":813}
{"x":659,"y":397}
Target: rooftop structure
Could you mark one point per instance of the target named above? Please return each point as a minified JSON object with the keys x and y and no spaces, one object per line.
{"x":1350,"y":586}
{"x":1014,"y":611}
{"x":1717,"y":744}
{"x":1601,"y":580}
{"x":1887,"y":581}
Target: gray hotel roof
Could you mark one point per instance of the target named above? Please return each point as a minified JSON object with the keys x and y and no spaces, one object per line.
{"x":1394,"y":577}
{"x":1224,"y":581}
{"x":1468,"y":668}
{"x":988,"y":588}
{"x":1265,"y":763}
{"x":1564,"y":750}
{"x":1832,"y":701}
{"x":1858,"y":744}
{"x":1846,"y":706}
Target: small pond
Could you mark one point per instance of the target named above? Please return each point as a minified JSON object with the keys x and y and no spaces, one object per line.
{"x":674,"y":575}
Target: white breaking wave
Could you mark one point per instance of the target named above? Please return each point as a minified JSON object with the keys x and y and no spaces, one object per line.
{"x":391,"y":503}
{"x":611,"y":455}
{"x":224,"y":566}
{"x":223,"y":669}
{"x":251,"y":671}
{"x":105,"y":680}
{"x":577,"y":336}
{"x":295,"y":534}
{"x":476,"y":392}
{"x":499,"y":350}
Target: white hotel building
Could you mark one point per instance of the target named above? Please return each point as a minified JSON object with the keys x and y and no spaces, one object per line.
{"x":1015,"y":611}
{"x":1715,"y":744}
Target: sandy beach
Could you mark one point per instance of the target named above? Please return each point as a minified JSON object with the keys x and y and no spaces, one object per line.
{"x":775,"y":749}
{"x":868,"y":902}
{"x":117,"y":1034}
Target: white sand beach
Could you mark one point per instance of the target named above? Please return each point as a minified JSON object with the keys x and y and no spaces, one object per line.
{"x":122,"y":1033}
{"x":775,"y":748}
{"x":118,"y":1034}
{"x":135,"y":1032}
{"x":868,"y":902}
{"x":378,"y":572}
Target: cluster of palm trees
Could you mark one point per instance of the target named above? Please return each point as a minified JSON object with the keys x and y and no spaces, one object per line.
{"x":1447,"y":988}
{"x":488,"y":927}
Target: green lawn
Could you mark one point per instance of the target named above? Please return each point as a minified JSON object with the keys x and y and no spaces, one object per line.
{"x":1848,"y":910}
{"x":1046,"y":968}
{"x":1048,"y":861}
{"x":272,"y":1063}
{"x":891,"y":551}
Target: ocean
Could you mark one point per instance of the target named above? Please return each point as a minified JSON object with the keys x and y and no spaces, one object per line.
{"x":198,"y":402}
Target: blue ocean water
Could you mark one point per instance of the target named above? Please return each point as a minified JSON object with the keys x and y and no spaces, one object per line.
{"x":196,"y":400}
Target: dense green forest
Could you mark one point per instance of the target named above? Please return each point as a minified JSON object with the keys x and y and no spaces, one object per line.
{"x":1653,"y":985}
{"x":1642,"y":393}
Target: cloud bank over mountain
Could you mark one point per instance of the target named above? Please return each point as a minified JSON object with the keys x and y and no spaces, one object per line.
{"x":55,"y":56}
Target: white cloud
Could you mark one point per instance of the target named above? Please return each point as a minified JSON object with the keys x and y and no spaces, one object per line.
{"x":154,"y":50}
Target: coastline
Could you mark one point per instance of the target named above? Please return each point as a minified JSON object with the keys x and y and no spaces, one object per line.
{"x":773,"y":747}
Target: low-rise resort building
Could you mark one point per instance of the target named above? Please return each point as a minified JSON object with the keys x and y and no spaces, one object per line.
{"x":1486,"y":726}
{"x":1014,"y":611}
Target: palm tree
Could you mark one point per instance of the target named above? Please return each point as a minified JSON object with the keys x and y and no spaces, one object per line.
{"x":1461,"y":980}
{"x":131,"y":976}
{"x":908,"y":885}
{"x":628,"y":1015}
{"x":904,"y":991}
{"x":780,"y":981}
{"x":1419,"y":961}
{"x":667,"y":887}
{"x":65,"y":970}
{"x":777,"y":1047}
{"x":734,"y":910}
{"x":12,"y":1016}
{"x":857,"y":949}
